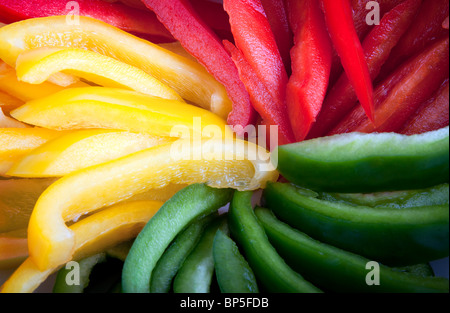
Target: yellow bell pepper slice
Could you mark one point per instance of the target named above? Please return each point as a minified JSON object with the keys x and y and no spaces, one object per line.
{"x":8,"y":102}
{"x":8,"y":122}
{"x":94,"y":234}
{"x":223,"y":164}
{"x":38,"y":65}
{"x":17,"y":199}
{"x":16,"y":142}
{"x":113,"y":108}
{"x":188,"y":78}
{"x":81,"y":149}
{"x":24,"y":91}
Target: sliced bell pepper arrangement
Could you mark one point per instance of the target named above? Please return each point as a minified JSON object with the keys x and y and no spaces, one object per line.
{"x":120,"y":179}
{"x":377,"y":47}
{"x":199,"y":40}
{"x":95,"y":233}
{"x":148,"y":119}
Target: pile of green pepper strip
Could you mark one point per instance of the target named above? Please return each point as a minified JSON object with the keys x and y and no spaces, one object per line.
{"x":304,"y":240}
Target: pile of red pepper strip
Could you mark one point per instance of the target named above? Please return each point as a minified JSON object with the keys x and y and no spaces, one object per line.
{"x":309,"y":87}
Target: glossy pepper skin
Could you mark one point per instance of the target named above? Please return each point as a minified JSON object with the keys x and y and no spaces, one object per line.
{"x":311,"y":65}
{"x":377,"y":46}
{"x":137,"y":22}
{"x":195,"y":201}
{"x":338,"y":17}
{"x":175,"y":255}
{"x":233,"y":273}
{"x":358,"y":163}
{"x":402,"y":93}
{"x":269,"y":268}
{"x":197,"y":38}
{"x":387,"y":235}
{"x":196,"y":273}
{"x":336,"y":269}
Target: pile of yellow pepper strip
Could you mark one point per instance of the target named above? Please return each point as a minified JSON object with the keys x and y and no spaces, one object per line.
{"x":91,"y":118}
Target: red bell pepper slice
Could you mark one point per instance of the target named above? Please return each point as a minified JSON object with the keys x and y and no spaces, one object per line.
{"x":377,"y":46}
{"x":261,"y":99}
{"x":254,"y":38}
{"x":338,"y":17}
{"x":400,"y":95}
{"x":198,"y":39}
{"x":427,"y":28}
{"x":362,"y":28}
{"x":311,"y":64}
{"x":278,"y":18}
{"x":360,"y":13}
{"x":137,"y":22}
{"x":433,"y":115}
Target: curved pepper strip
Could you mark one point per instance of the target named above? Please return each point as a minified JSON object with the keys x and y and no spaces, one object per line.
{"x":81,"y":149}
{"x":384,"y":162}
{"x":37,"y":65}
{"x":432,"y":115}
{"x":174,"y":256}
{"x":338,"y":17}
{"x":311,"y":65}
{"x":388,"y":235}
{"x":377,"y":46}
{"x":120,"y":109}
{"x":93,"y":234}
{"x":269,"y":268}
{"x":195,"y":35}
{"x":402,"y":93}
{"x":189,"y":79}
{"x":197,"y":272}
{"x":336,"y":269}
{"x":230,"y":164}
{"x":194,"y":202}
{"x":137,"y":22}
{"x":233,"y":272}
{"x":24,"y":91}
{"x":17,"y":142}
